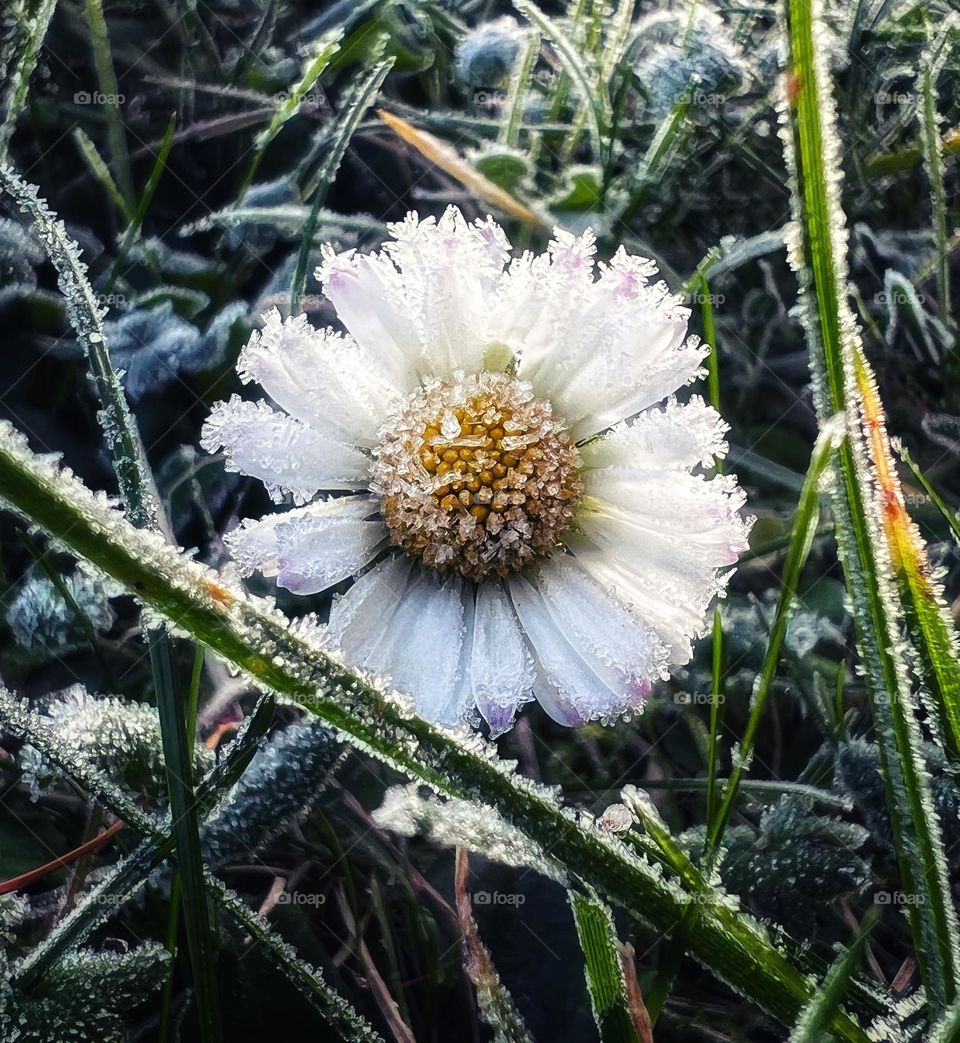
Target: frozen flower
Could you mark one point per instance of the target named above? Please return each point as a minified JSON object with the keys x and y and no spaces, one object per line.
{"x":523,"y":498}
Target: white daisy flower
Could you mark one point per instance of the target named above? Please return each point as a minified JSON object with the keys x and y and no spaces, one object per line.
{"x":514,"y":484}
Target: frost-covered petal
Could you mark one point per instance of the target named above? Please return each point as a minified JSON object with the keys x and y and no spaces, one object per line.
{"x":310,"y":548}
{"x":285,"y":454}
{"x":658,"y":540}
{"x":601,"y":349}
{"x":597,"y":623}
{"x":359,"y":618}
{"x":320,"y":377}
{"x":498,"y":673}
{"x":573,"y":685}
{"x":407,"y":625}
{"x":677,"y":436}
{"x":368,"y":293}
{"x":316,"y":550}
{"x":422,"y":645}
{"x":427,"y":294}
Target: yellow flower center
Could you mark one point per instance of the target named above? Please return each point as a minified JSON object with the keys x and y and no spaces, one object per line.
{"x":477,"y":475}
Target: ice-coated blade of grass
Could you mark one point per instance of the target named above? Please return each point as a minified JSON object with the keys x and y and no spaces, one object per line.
{"x":931,"y":65}
{"x":125,"y":879}
{"x":290,"y":658}
{"x":931,"y":626}
{"x":804,"y":526}
{"x":107,"y":80}
{"x":85,"y":316}
{"x":139,"y":494}
{"x":949,"y":515}
{"x":517,"y":93}
{"x":863,"y":487}
{"x":327,"y":47}
{"x":596,"y":101}
{"x":361,"y":96}
{"x":811,"y":1026}
{"x":947,"y":1029}
{"x":20,"y":67}
{"x":606,"y":981}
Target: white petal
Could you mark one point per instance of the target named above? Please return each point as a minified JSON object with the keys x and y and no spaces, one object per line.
{"x":360,"y":617}
{"x":599,"y":350}
{"x":421,"y":651}
{"x":286,"y":455}
{"x":597,"y":624}
{"x":320,"y":377}
{"x":499,"y":671}
{"x":316,"y":550}
{"x":370,"y":300}
{"x":426,"y":297}
{"x":571,"y":688}
{"x":310,"y":548}
{"x":678,"y":437}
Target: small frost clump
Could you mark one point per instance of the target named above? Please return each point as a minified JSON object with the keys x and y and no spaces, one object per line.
{"x":120,"y":739}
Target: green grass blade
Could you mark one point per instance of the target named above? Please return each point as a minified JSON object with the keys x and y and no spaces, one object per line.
{"x":597,"y":103}
{"x":517,"y":93}
{"x":107,"y":79}
{"x":362,"y":95}
{"x":178,"y":761}
{"x":20,"y":67}
{"x":101,"y":172}
{"x":931,"y":64}
{"x":804,"y":526}
{"x":327,"y":47}
{"x":949,"y":516}
{"x":85,"y":316}
{"x":812,"y":1025}
{"x":135,"y":223}
{"x":253,"y":635}
{"x":818,"y":252}
{"x":606,"y":982}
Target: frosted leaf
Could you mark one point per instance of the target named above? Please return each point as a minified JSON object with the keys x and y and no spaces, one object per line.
{"x":281,"y":784}
{"x":118,"y":738}
{"x":154,"y":346}
{"x":40,"y":617}
{"x":459,"y":823}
